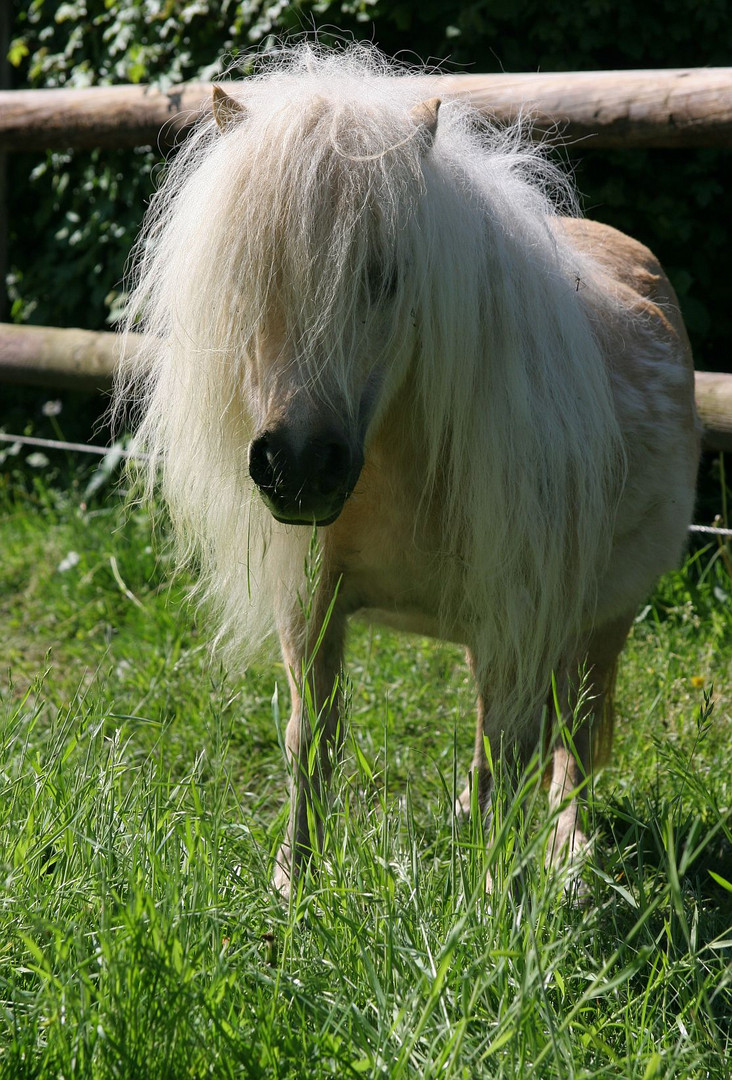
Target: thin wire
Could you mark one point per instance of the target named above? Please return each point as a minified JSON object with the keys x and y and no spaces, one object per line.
{"x":84,"y":448}
{"x":711,"y":529}
{"x":57,"y":444}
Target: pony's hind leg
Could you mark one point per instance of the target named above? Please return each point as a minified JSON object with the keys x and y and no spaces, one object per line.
{"x":579,"y":746}
{"x":512,"y":749}
{"x":313,"y":737}
{"x":583,"y":743}
{"x":510,"y":752}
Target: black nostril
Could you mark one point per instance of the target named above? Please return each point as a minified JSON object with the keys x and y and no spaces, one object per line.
{"x":263,"y":461}
{"x":333,"y":460}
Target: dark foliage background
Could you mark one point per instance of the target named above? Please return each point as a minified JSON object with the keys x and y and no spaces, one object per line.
{"x":73,"y":216}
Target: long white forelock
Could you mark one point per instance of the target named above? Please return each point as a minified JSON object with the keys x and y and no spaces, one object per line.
{"x":514,"y":399}
{"x":322,"y":245}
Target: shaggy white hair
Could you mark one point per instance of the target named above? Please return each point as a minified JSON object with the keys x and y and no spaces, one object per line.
{"x":325,"y":177}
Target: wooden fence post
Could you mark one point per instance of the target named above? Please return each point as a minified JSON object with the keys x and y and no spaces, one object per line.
{"x":4,"y":85}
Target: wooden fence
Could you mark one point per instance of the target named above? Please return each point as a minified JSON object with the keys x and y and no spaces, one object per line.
{"x":673,"y":108}
{"x":86,"y":359}
{"x":666,"y":108}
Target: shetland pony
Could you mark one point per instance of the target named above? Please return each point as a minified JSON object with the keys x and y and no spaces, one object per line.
{"x":368,"y":313}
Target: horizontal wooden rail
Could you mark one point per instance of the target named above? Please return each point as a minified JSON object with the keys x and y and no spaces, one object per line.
{"x":623,"y":109}
{"x":86,"y":360}
{"x":55,"y":357}
{"x":662,"y":108}
{"x":714,"y":403}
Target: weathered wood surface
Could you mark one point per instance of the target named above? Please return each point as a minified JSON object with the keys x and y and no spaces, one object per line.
{"x":83,"y":359}
{"x":661,"y":108}
{"x":623,"y":109}
{"x":54,"y":357}
{"x":714,"y":403}
{"x":106,"y":116}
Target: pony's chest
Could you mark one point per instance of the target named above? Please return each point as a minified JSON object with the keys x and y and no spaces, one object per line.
{"x":388,"y":558}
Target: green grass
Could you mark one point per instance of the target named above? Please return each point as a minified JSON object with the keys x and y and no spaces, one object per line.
{"x":142,"y":795}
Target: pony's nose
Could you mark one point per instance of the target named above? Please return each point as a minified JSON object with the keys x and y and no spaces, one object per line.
{"x":303,"y":480}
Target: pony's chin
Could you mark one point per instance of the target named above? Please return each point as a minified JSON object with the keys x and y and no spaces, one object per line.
{"x":303,"y":519}
{"x":319,"y":522}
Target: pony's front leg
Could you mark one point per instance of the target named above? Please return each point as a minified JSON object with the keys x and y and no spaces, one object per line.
{"x":479,"y":779}
{"x":314,"y":735}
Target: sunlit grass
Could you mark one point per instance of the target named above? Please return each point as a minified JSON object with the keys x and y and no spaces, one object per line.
{"x":142,"y":805}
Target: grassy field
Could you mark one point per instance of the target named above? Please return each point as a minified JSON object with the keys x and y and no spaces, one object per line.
{"x":142,"y":803}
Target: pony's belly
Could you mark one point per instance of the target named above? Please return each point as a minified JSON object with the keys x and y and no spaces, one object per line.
{"x":404,"y":599}
{"x":398,"y":603}
{"x":410,"y":622}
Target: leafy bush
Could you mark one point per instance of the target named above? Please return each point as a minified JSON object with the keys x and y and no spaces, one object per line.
{"x":74,"y":215}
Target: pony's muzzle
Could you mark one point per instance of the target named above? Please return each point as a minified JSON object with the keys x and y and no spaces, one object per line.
{"x":304,"y":480}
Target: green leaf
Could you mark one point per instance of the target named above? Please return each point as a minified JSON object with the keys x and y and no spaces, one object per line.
{"x":17,"y":52}
{"x":721,"y":881}
{"x":654,"y":1067}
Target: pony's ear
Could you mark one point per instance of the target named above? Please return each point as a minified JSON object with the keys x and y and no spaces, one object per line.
{"x":424,"y":116}
{"x":226,"y":110}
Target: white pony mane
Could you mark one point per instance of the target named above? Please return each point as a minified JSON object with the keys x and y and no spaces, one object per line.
{"x":511,"y":391}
